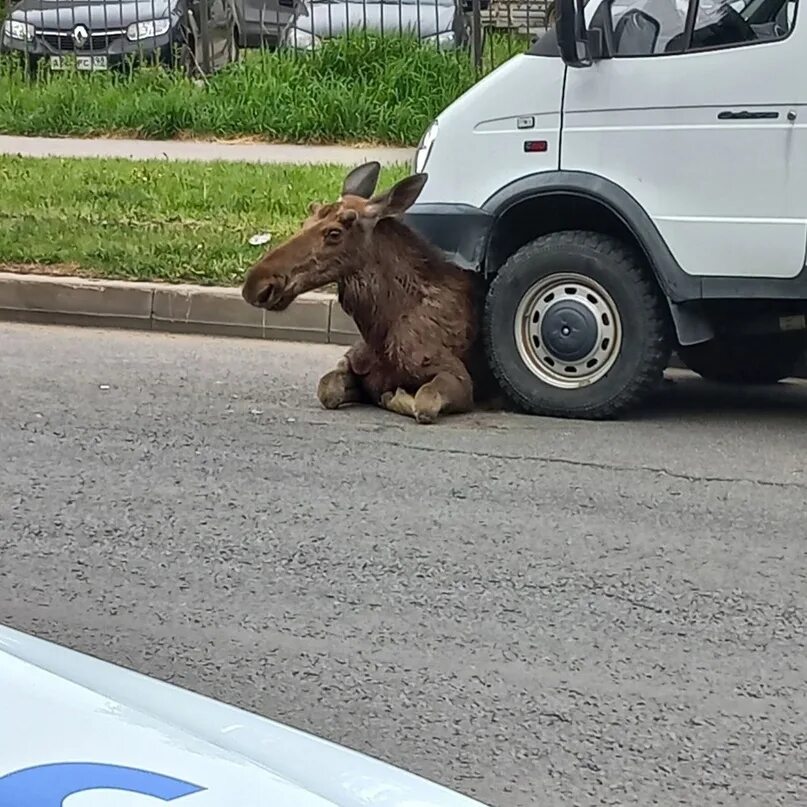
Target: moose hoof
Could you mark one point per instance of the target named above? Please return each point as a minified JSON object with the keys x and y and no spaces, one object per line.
{"x":335,"y":388}
{"x":428,"y":404}
{"x":400,"y":402}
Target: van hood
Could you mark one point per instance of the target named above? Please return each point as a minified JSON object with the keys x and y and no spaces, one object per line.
{"x":104,"y":736}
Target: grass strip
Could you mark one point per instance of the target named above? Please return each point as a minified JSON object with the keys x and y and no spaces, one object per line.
{"x":153,"y":220}
{"x":358,"y":89}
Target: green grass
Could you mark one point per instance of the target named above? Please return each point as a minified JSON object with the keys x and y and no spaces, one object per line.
{"x":153,"y":220}
{"x":356,"y":89}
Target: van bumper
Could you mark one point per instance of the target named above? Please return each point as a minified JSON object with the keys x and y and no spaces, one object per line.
{"x":460,"y":231}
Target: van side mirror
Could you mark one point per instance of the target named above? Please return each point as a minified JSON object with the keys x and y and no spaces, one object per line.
{"x":572,"y":34}
{"x":599,"y":44}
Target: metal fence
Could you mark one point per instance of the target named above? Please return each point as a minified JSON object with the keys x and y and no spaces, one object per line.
{"x":202,"y":36}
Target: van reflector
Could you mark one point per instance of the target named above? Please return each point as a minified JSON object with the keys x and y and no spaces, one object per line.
{"x":535,"y":145}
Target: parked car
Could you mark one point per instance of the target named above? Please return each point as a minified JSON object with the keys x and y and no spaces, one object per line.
{"x":104,"y":35}
{"x":262,"y":22}
{"x":75,"y":724}
{"x":444,"y":23}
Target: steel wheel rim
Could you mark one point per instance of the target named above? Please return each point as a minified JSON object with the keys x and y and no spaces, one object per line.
{"x":588,"y":301}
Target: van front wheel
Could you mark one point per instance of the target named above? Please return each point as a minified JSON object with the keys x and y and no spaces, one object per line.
{"x":576,"y":327}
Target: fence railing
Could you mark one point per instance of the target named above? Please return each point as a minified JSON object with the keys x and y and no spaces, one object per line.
{"x":202,"y":36}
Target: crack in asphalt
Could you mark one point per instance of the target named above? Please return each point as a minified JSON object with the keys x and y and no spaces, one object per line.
{"x":598,"y":466}
{"x":492,"y":455}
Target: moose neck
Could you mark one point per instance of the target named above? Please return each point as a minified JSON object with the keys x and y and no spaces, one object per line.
{"x":393,"y":277}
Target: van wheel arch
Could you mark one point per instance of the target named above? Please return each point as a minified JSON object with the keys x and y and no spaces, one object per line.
{"x":549,"y":202}
{"x":541,"y":213}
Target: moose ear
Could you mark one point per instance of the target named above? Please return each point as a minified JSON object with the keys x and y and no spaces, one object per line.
{"x":399,"y":198}
{"x":361,"y":181}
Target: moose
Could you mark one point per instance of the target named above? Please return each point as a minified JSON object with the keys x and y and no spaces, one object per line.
{"x":418,"y":314}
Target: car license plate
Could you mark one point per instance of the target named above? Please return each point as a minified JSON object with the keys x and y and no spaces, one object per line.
{"x":85,"y":63}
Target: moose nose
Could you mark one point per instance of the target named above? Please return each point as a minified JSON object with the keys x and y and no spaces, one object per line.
{"x":257,"y":292}
{"x":262,"y":292}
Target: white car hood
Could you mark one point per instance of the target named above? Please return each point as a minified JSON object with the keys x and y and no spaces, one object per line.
{"x":78,"y":732}
{"x":424,"y":18}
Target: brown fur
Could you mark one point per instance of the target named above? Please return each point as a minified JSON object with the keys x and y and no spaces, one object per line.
{"x":418,"y":314}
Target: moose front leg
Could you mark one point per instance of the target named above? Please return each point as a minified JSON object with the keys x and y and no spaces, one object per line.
{"x":358,"y":378}
{"x":339,"y":386}
{"x":450,"y":391}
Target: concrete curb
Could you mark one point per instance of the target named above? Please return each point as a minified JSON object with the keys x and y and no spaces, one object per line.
{"x":209,"y":310}
{"x":181,"y":308}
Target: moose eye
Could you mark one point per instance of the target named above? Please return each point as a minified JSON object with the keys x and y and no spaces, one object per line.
{"x":333,"y":235}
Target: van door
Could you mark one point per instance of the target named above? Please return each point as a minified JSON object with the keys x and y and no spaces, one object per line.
{"x":695,"y":122}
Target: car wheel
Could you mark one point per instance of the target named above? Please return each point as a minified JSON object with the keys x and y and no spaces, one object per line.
{"x":759,"y":359}
{"x":575,"y":326}
{"x":464,"y":32}
{"x":184,"y":59}
{"x":235,"y":46}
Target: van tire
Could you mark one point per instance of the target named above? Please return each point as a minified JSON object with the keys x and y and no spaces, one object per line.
{"x":635,"y":367}
{"x":746,"y":359}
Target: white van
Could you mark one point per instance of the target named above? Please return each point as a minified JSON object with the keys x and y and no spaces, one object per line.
{"x":636,"y":183}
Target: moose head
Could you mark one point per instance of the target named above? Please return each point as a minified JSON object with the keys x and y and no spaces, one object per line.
{"x":336,"y":240}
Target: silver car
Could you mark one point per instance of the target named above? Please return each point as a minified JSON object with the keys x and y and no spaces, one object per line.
{"x":444,"y":23}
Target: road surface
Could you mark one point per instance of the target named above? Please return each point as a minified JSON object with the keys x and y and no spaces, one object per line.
{"x":530,"y":611}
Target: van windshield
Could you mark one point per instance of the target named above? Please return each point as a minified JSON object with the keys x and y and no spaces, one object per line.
{"x":655,"y":27}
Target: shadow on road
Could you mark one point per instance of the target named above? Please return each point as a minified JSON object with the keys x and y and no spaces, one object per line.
{"x":686,"y":395}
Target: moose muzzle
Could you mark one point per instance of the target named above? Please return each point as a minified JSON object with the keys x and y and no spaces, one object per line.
{"x":267,"y":292}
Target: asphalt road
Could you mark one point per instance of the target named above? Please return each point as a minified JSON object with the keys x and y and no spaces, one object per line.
{"x":533,"y":612}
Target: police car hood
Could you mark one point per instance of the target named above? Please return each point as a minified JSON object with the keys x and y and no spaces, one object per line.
{"x":79,"y":732}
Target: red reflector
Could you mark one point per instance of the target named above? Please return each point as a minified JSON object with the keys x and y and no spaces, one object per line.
{"x":535,"y":145}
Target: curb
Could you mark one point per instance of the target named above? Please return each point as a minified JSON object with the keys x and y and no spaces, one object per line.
{"x":210,"y":310}
{"x":182,"y":308}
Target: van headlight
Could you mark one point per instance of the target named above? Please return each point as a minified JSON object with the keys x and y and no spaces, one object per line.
{"x":424,"y":147}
